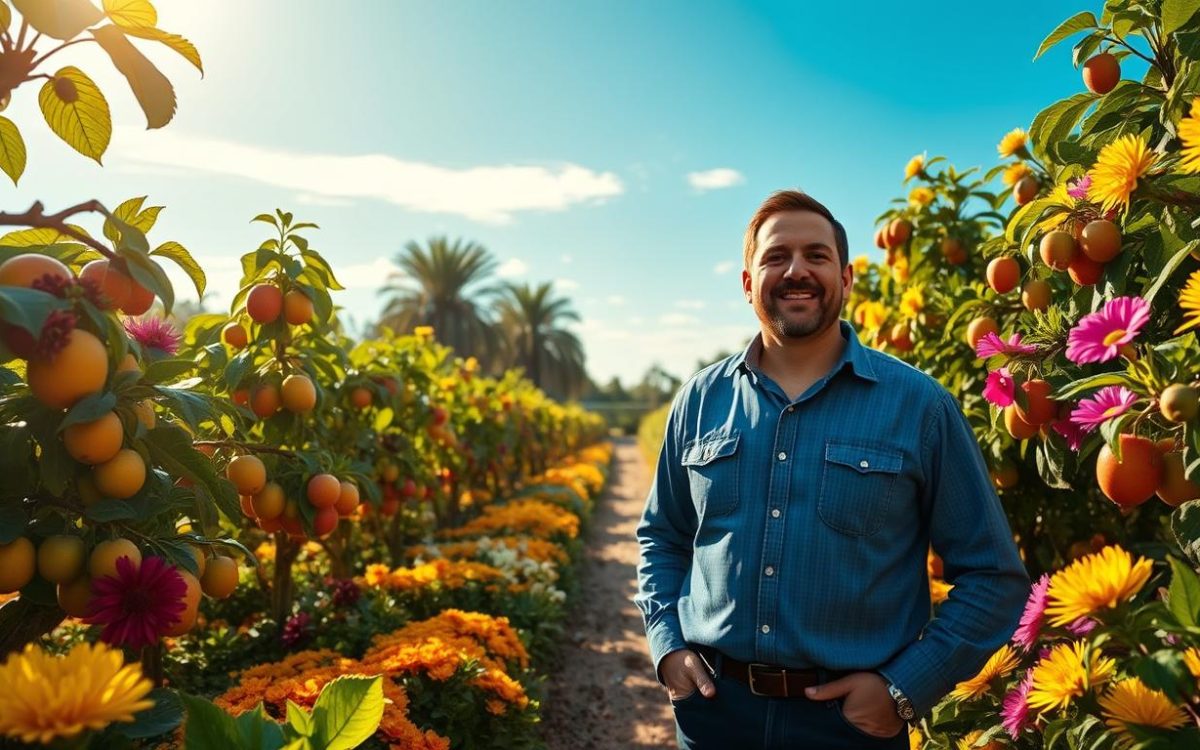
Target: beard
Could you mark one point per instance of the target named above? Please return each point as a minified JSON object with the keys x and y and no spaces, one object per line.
{"x":796,"y":325}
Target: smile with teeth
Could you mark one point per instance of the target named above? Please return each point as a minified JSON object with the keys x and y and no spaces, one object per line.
{"x":800,"y":295}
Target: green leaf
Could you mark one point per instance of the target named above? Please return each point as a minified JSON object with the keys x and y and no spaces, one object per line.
{"x":1176,"y":14}
{"x":1185,"y":525}
{"x":162,"y":370}
{"x":237,"y":368}
{"x":61,"y":19}
{"x":347,"y":712}
{"x":12,"y":149}
{"x":135,"y":13}
{"x":299,"y":720}
{"x":1165,"y":274}
{"x":1073,"y":25}
{"x":266,"y":219}
{"x":1054,"y":123}
{"x":171,"y":448}
{"x":125,"y":212}
{"x":178,"y":253}
{"x":152,"y":89}
{"x":111,"y":510}
{"x":258,"y":731}
{"x":82,"y":119}
{"x":179,"y":553}
{"x":174,"y":41}
{"x":1090,"y":382}
{"x":165,"y":716}
{"x":1183,"y":596}
{"x":13,"y":521}
{"x":208,"y":727}
{"x":28,"y":308}
{"x":89,"y":409}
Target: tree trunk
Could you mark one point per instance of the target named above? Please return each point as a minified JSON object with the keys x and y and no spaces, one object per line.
{"x":282,"y":592}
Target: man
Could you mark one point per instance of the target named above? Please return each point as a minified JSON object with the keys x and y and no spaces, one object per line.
{"x":783,"y":545}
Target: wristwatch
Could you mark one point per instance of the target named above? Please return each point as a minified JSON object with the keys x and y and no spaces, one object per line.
{"x":904,"y":708}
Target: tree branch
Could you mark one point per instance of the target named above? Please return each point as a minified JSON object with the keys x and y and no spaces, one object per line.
{"x":36,"y":217}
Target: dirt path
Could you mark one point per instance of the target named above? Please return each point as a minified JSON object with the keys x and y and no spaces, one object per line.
{"x":605,"y":695}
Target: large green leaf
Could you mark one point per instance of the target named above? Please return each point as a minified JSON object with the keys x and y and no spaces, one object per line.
{"x":182,"y":258}
{"x":166,"y":715}
{"x":12,"y":149}
{"x":1073,"y":25}
{"x":154,"y":92}
{"x":28,"y":308}
{"x":77,"y":112}
{"x":61,"y":19}
{"x":1185,"y":525}
{"x":208,"y":727}
{"x":1184,"y":593}
{"x":299,"y":720}
{"x":347,"y":712}
{"x":1176,"y":14}
{"x":1054,"y":123}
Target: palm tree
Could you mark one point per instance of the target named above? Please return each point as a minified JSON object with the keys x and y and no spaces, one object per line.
{"x":532,"y":319}
{"x":439,"y":286}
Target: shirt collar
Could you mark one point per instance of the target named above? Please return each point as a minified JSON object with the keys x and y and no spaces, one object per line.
{"x":855,"y":354}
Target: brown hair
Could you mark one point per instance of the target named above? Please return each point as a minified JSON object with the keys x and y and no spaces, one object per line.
{"x":793,"y":200}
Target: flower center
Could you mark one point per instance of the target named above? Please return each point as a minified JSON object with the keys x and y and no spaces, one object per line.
{"x":1112,"y":411}
{"x":1114,"y":337}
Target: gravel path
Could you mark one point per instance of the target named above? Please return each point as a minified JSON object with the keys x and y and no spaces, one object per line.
{"x":604,"y":695}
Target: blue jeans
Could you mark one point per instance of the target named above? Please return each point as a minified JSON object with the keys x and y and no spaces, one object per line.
{"x":736,"y":719}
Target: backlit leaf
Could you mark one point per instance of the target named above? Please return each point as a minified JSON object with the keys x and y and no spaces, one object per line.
{"x":178,"y":253}
{"x":61,"y":19}
{"x":12,"y":149}
{"x":82,"y":119}
{"x":154,"y":92}
{"x":135,"y":13}
{"x":174,"y":41}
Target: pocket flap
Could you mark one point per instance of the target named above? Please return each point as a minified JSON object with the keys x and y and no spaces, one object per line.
{"x":863,"y":459}
{"x":710,"y":449}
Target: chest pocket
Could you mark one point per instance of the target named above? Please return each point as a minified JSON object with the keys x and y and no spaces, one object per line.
{"x":712,"y":468}
{"x":857,"y":486}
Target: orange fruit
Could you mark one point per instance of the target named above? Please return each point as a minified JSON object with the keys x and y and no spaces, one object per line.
{"x":94,"y":442}
{"x":247,"y":473}
{"x":144,"y":410}
{"x":269,"y":502}
{"x":1101,"y":73}
{"x":325,"y":521}
{"x":103,"y":560}
{"x":75,"y":596}
{"x":270,"y":525}
{"x":1100,"y":240}
{"x":26,"y":268}
{"x":17,"y":564}
{"x":897,"y":233}
{"x":241,"y":397}
{"x":980,"y":327}
{"x":1174,"y":488}
{"x":139,"y":301}
{"x":247,"y":506}
{"x":1042,"y":408}
{"x":1025,"y":190}
{"x":234,"y":334}
{"x":360,"y":397}
{"x":348,"y":499}
{"x":1084,"y":271}
{"x":265,"y":401}
{"x":900,"y":339}
{"x":1135,"y":478}
{"x":297,"y":308}
{"x":1005,"y":476}
{"x":191,"y":601}
{"x":323,"y":490}
{"x":61,"y":558}
{"x":220,"y":578}
{"x":1017,"y":427}
{"x":298,"y":393}
{"x":879,"y":241}
{"x":121,"y":476}
{"x":264,"y":303}
{"x":79,"y":369}
{"x":388,"y":508}
{"x":390,"y":473}
{"x":1036,"y":295}
{"x":115,"y":287}
{"x":953,"y":251}
{"x":1003,"y":274}
{"x":1058,"y":249}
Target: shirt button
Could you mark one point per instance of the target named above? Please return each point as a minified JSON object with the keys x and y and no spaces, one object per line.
{"x":775,"y":513}
{"x":769,"y":571}
{"x":782,"y":456}
{"x":791,"y":409}
{"x":863,"y":463}
{"x":766,"y":628}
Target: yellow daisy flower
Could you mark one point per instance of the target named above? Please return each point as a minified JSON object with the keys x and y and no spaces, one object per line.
{"x":1067,"y":672}
{"x":861,"y":265}
{"x":1117,"y":169}
{"x":423,"y":332}
{"x":968,"y":740}
{"x":1013,"y":143}
{"x":900,"y":270}
{"x":1093,"y":583}
{"x":1189,"y":136}
{"x":1130,"y":702}
{"x":1004,"y":661}
{"x":47,"y":697}
{"x":1191,"y":659}
{"x":870,"y":314}
{"x":1189,"y":301}
{"x":915,"y":166}
{"x":912,"y":301}
{"x":1014,"y":172}
{"x":920,"y":197}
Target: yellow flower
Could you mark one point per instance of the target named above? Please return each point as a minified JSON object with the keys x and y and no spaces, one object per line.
{"x":861,"y":264}
{"x":915,"y":740}
{"x":1191,"y":659}
{"x":1189,"y":301}
{"x":423,"y":332}
{"x":920,"y":197}
{"x":1001,"y":663}
{"x":1014,"y":172}
{"x":1117,"y":169}
{"x":968,"y":740}
{"x":1094,"y":582}
{"x":1064,"y":675}
{"x":1013,"y":143}
{"x":1131,"y":702}
{"x":912,"y":301}
{"x":47,"y":697}
{"x":900,"y":270}
{"x":915,"y":166}
{"x":870,"y":314}
{"x":1189,"y":136}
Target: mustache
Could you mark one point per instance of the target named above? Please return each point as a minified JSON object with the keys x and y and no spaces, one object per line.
{"x":786,"y":287}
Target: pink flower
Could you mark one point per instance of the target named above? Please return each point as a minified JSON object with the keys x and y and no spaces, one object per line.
{"x":992,"y":344}
{"x":139,"y":603}
{"x":1030,"y":627}
{"x":1000,"y":387}
{"x":1078,"y":189}
{"x":153,"y":334}
{"x":1071,"y":432}
{"x":1014,"y":712}
{"x":1099,"y":337}
{"x":1109,"y":402}
{"x":1082,"y":626}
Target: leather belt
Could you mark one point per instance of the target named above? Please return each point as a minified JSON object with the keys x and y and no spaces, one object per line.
{"x":769,"y":680}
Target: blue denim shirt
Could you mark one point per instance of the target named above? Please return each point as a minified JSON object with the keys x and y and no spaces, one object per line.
{"x":795,"y":533}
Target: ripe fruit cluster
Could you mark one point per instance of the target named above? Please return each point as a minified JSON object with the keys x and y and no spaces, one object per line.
{"x":328,"y":499}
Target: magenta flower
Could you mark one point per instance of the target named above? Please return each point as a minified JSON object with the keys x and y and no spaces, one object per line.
{"x":1014,"y":712}
{"x":1082,"y":626}
{"x":1109,"y":402}
{"x":139,"y":603}
{"x":1078,"y":189}
{"x":1030,"y":626}
{"x":1099,"y":337}
{"x":993,"y":344}
{"x":155,"y":335}
{"x":1000,"y":388}
{"x":1071,"y":432}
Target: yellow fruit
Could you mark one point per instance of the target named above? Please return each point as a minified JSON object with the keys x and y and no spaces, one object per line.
{"x":17,"y":562}
{"x":95,"y":442}
{"x":269,"y":502}
{"x":74,"y":597}
{"x":24,"y":269}
{"x":191,"y":601}
{"x":60,"y":558}
{"x":297,"y":308}
{"x":1036,"y":295}
{"x":298,"y":394}
{"x":122,"y":476}
{"x":221,"y":577}
{"x":247,"y":473}
{"x":78,"y":370}
{"x":1179,"y":402}
{"x":103,"y":560}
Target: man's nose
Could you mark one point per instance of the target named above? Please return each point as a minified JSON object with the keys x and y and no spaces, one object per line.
{"x":797,"y":269}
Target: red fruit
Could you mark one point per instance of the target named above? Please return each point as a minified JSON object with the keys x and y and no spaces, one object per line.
{"x":897,"y":233}
{"x":1101,"y":73}
{"x":1084,"y":271}
{"x":348,"y":498}
{"x":1003,"y":274}
{"x":439,"y":416}
{"x":1042,"y":408}
{"x":409,"y":489}
{"x":235,"y":335}
{"x":139,"y":300}
{"x":360,"y":397}
{"x":325,"y":521}
{"x":323,"y":490}
{"x":264,"y":303}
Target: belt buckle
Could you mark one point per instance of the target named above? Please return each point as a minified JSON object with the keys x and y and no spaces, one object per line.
{"x":774,"y":670}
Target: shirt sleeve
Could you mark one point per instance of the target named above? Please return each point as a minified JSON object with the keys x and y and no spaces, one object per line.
{"x":969,"y":530}
{"x":664,"y":535}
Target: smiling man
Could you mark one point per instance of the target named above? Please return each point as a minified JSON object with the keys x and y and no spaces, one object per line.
{"x":783,"y":544}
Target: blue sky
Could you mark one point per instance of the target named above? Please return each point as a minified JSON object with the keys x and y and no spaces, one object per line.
{"x":571,"y":139}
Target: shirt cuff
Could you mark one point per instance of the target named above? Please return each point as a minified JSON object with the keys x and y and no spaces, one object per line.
{"x":664,"y":636}
{"x":917,"y":675}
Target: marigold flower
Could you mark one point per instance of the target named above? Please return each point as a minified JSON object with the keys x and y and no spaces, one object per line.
{"x":1117,"y":170}
{"x":1012,"y":144}
{"x":1094,"y":583}
{"x":1131,"y":703}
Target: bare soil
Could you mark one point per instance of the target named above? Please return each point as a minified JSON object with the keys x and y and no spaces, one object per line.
{"x":605,"y":695}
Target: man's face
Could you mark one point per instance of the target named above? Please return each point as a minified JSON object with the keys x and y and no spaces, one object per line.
{"x":795,"y":280}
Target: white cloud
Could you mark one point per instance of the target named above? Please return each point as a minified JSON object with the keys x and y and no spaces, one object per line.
{"x":615,"y":300}
{"x":566,"y":285}
{"x":678,"y":319}
{"x":715,"y":179}
{"x":511,"y":268}
{"x":723,"y":267}
{"x":566,"y":260}
{"x":372,"y":275}
{"x":690,"y":304}
{"x":487,"y":193}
